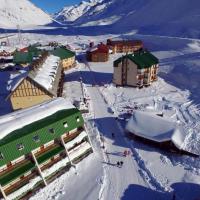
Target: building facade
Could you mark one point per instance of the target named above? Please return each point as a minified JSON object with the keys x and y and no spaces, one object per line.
{"x":138,"y":69}
{"x":43,"y":82}
{"x":67,"y":57}
{"x":124,"y":46}
{"x":42,"y":141}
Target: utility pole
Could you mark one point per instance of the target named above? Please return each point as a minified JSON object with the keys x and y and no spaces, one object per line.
{"x":19,"y":34}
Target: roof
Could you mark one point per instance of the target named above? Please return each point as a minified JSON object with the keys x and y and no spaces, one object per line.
{"x":22,"y":57}
{"x":157,"y":129}
{"x":143,"y":59}
{"x":20,"y":127}
{"x":16,"y":120}
{"x":63,"y":53}
{"x":126,"y":42}
{"x":47,"y":73}
{"x":34,"y":50}
{"x":47,"y":77}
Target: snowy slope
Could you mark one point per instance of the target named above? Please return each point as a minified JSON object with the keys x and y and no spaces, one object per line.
{"x":72,"y":13}
{"x":21,"y":12}
{"x":178,"y":17}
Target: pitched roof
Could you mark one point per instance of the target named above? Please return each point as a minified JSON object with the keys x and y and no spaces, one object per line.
{"x":142,"y":59}
{"x":157,"y":129}
{"x":101,"y":48}
{"x":47,"y":77}
{"x":63,"y":53}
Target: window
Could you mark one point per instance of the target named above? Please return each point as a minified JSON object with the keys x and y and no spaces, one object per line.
{"x":1,"y":156}
{"x":51,"y":130}
{"x":20,"y":146}
{"x":65,"y":124}
{"x":77,"y":119}
{"x":36,"y":138}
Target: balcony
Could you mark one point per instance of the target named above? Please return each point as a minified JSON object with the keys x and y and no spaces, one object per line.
{"x":49,"y":154}
{"x":76,"y":140}
{"x":16,"y":172}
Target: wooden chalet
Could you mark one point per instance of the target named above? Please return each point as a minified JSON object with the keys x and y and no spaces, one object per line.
{"x":124,"y":46}
{"x":43,"y":82}
{"x":67,"y":57}
{"x":98,"y":54}
{"x":158,"y":131}
{"x":138,"y":69}
{"x":38,"y":144}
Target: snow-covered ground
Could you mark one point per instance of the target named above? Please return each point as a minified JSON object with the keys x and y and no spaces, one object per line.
{"x":149,"y":173}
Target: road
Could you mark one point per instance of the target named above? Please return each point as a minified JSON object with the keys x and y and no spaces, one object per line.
{"x":116,"y":180}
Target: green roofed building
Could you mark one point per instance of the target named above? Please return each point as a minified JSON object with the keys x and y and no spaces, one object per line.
{"x":22,"y":58}
{"x":34,"y":139}
{"x":67,"y":57}
{"x":26,"y":57}
{"x":138,"y":69}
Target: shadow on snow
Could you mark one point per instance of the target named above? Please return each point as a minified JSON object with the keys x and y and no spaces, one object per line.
{"x":182,"y":191}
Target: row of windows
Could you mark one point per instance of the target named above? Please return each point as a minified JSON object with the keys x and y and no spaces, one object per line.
{"x":36,"y":138}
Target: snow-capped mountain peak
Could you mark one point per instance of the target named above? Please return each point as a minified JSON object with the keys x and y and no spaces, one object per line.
{"x":22,"y":13}
{"x":72,"y":13}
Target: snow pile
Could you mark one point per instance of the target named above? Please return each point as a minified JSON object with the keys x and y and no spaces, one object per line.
{"x":47,"y":73}
{"x":25,"y":188}
{"x":22,"y":13}
{"x":157,"y":129}
{"x":56,"y":167}
{"x":19,"y":119}
{"x":72,"y":13}
{"x":78,"y":139}
{"x":79,"y":150}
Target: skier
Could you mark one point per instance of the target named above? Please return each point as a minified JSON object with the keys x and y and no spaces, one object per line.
{"x":118,"y":164}
{"x":125,"y":153}
{"x":113,"y":135}
{"x":121,"y":163}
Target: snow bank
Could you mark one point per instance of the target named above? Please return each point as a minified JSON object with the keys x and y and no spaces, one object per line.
{"x":19,"y":119}
{"x":152,"y":127}
{"x":74,"y":153}
{"x":76,"y":140}
{"x":47,"y":73}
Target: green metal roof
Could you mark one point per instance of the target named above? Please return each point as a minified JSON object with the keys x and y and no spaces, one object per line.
{"x":141,"y":59}
{"x":22,"y":57}
{"x":34,"y":50}
{"x":63,"y":53}
{"x":25,"y":135}
{"x":17,"y":172}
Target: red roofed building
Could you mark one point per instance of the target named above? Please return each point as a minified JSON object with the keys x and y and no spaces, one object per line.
{"x":98,"y":54}
{"x":124,"y":46}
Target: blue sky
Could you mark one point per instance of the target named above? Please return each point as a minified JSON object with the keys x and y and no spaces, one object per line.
{"x":52,"y":6}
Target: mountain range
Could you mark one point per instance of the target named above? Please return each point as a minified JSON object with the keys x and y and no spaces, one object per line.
{"x":177,"y":17}
{"x":163,"y":17}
